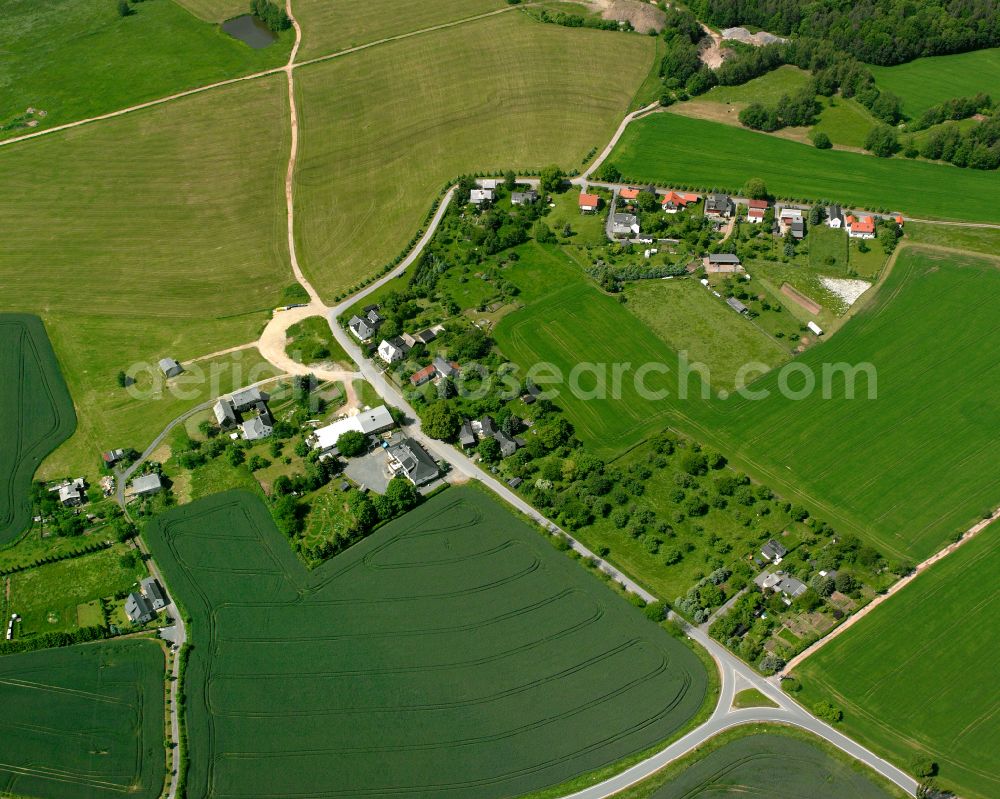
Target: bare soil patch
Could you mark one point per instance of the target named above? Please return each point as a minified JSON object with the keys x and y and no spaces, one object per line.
{"x":797,"y":296}
{"x":644,"y":17}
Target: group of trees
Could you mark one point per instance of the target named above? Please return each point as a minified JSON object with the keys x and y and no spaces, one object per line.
{"x":270,"y":14}
{"x":976,"y":148}
{"x":953,"y":109}
{"x":798,"y":109}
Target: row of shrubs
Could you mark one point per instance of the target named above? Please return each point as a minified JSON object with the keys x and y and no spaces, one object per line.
{"x":96,"y":546}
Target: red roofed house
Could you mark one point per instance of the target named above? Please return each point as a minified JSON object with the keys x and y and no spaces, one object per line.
{"x":425,"y":374}
{"x":674,"y":202}
{"x":589,"y":203}
{"x":629,"y":194}
{"x":756,"y":210}
{"x":863,"y":228}
{"x":899,"y":219}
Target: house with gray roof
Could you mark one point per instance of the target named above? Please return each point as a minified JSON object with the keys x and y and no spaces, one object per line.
{"x":779,"y":582}
{"x":225,"y":413}
{"x":247,"y":398}
{"x":361,"y":329}
{"x":524,"y":197}
{"x":147,"y":485}
{"x":773,"y":551}
{"x":466,"y":437}
{"x":170,"y":367}
{"x":154,"y":593}
{"x":507,"y":445}
{"x":624,"y":225}
{"x":257,"y":428}
{"x":410,"y":460}
{"x":72,"y":492}
{"x":138,"y":609}
{"x":480,"y":196}
{"x":719,"y":206}
{"x":446,"y":368}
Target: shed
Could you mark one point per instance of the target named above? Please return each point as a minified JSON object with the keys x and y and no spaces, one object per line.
{"x":170,"y":367}
{"x":736,"y":305}
{"x":146,"y":485}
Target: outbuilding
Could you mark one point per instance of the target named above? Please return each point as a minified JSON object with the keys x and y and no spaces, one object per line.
{"x":170,"y":367}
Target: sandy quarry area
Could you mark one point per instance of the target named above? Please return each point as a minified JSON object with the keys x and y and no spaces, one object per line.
{"x":642,"y":16}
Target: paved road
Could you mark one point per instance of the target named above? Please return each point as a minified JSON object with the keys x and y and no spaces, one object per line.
{"x":735,"y":675}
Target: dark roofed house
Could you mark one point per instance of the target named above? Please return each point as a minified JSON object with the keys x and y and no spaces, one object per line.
{"x":722,"y":263}
{"x":487,"y":429}
{"x":524,"y":197}
{"x":718,"y":205}
{"x":170,"y":367}
{"x":225,"y":413}
{"x":834,"y":216}
{"x":466,"y":437}
{"x":360,"y":328}
{"x":247,"y":398}
{"x":374,"y":317}
{"x":624,"y":225}
{"x":446,"y":368}
{"x":138,"y":609}
{"x":773,"y":551}
{"x":798,"y":228}
{"x":409,"y":459}
{"x":153,"y":592}
{"x":507,"y":445}
{"x":736,"y":305}
{"x":425,"y":336}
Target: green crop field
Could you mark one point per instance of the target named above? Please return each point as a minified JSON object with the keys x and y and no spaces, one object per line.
{"x":917,"y":678}
{"x":913,"y":466}
{"x":159,"y":233}
{"x":689,"y":318}
{"x":330,"y":27}
{"x":765,"y":762}
{"x":74,"y":59}
{"x":929,"y":81}
{"x":215,"y":10}
{"x":671,"y":149}
{"x":38,"y":411}
{"x":568,"y":321}
{"x":454,"y":651}
{"x":378,"y":142}
{"x":84,"y":722}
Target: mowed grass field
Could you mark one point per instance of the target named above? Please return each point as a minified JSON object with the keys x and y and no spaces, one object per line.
{"x":917,"y":678}
{"x":83,"y":722}
{"x":379,"y":142}
{"x":765,"y":761}
{"x":38,"y":413}
{"x":75,"y":59}
{"x":929,"y":81}
{"x":567,"y":322}
{"x":455,"y":651}
{"x":328,"y":27}
{"x":159,"y":233}
{"x":670,"y":149}
{"x":688,"y":317}
{"x":216,"y":10}
{"x":913,"y":466}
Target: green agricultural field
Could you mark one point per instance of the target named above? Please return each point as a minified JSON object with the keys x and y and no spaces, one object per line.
{"x":38,"y":410}
{"x":566,"y":322}
{"x":455,"y":650}
{"x":688,"y":318}
{"x":331,"y":27}
{"x":74,"y":59}
{"x":973,"y":239}
{"x":159,"y":233}
{"x":378,"y":143}
{"x":671,"y":149}
{"x":215,"y":10}
{"x":929,"y":81}
{"x":928,"y":439}
{"x":765,"y":761}
{"x":47,"y":597}
{"x":886,"y":672}
{"x":83,"y":722}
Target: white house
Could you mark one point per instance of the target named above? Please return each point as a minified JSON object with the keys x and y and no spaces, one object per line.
{"x":834,"y":217}
{"x":370,"y":422}
{"x":625,"y":225}
{"x":479,"y":196}
{"x":390,"y":352}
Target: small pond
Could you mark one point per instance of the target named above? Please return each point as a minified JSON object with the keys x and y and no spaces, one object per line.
{"x":250,"y":30}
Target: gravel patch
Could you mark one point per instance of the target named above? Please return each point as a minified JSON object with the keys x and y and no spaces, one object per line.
{"x":847,"y":290}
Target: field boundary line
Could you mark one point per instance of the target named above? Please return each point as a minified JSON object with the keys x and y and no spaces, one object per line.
{"x":895,"y":588}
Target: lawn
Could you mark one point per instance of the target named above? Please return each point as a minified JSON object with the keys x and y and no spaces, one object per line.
{"x":47,"y":597}
{"x":216,"y":10}
{"x":913,"y":466}
{"x":670,"y":149}
{"x":313,"y":342}
{"x":845,"y":121}
{"x":159,"y":233}
{"x":74,"y":59}
{"x":379,"y":143}
{"x":828,"y":250}
{"x":35,"y":402}
{"x":330,"y":27}
{"x":455,"y":650}
{"x":689,"y":319}
{"x":751,"y":697}
{"x":929,"y":81}
{"x":886,"y":672}
{"x":766,"y":89}
{"x":570,"y":329}
{"x":765,"y":761}
{"x":83,"y":722}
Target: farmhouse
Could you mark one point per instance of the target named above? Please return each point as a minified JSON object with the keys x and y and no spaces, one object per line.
{"x":409,"y":459}
{"x":480,"y":196}
{"x":722,"y":263}
{"x":422,"y":376}
{"x":788,"y":587}
{"x":362,"y":329}
{"x":834,"y":217}
{"x":718,"y":206}
{"x":153,"y":592}
{"x":673,"y":202}
{"x":736,"y":305}
{"x":72,"y":493}
{"x":247,"y":398}
{"x":369,"y":423}
{"x":624,"y":225}
{"x":524,"y":197}
{"x":112,"y":456}
{"x":138,"y":609}
{"x":225,"y":413}
{"x":170,"y":367}
{"x":589,"y":203}
{"x":258,"y":427}
{"x":392,"y":350}
{"x":773,"y":551}
{"x":446,"y":368}
{"x":147,"y":485}
{"x":756,"y":210}
{"x":790,"y":219}
{"x":860,"y":228}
